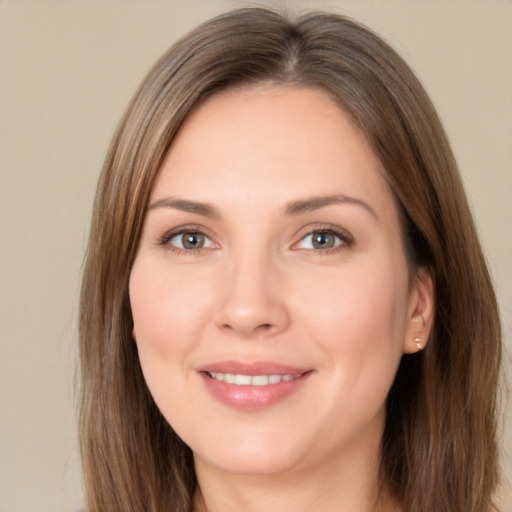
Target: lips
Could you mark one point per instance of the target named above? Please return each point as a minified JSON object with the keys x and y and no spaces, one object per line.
{"x":252,"y":386}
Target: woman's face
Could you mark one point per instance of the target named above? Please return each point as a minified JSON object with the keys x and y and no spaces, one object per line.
{"x":270,"y":293}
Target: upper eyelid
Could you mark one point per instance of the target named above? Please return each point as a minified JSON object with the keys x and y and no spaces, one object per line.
{"x":328,"y":228}
{"x":179,"y":230}
{"x":187,"y":228}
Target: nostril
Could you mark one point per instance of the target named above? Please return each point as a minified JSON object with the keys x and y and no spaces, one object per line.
{"x":258,"y":328}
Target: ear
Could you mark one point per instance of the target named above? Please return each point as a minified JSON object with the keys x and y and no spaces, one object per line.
{"x":421,"y":312}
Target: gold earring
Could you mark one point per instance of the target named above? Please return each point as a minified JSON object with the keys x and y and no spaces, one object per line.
{"x":419,"y":345}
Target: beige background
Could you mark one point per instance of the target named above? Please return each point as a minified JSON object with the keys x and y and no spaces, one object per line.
{"x":67,"y":69}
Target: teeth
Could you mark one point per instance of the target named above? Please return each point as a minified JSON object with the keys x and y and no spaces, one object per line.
{"x":243,"y":380}
{"x":252,"y":380}
{"x":260,"y":380}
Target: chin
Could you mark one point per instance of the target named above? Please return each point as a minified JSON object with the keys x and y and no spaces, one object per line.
{"x":257,"y":459}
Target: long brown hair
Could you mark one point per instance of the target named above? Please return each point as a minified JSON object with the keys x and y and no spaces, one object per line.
{"x":439,"y":451}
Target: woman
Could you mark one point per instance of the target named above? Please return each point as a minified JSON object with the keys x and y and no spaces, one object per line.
{"x":285,"y":304}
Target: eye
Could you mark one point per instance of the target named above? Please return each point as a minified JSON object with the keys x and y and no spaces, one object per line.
{"x":324,"y":239}
{"x":187,"y":241}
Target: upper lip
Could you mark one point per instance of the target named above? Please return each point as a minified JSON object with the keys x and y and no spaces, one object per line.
{"x":252,"y":368}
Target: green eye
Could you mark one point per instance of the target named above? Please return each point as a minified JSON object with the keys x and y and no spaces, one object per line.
{"x":190,"y":241}
{"x":324,"y":239}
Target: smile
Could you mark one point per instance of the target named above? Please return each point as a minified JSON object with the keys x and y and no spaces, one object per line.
{"x":252,"y":386}
{"x":251,"y":380}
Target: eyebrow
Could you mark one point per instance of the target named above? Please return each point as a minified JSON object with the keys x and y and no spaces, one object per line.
{"x":314,"y":203}
{"x":185,"y":205}
{"x":293,"y":208}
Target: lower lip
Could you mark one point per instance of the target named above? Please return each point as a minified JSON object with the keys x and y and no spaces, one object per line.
{"x":253,"y":398}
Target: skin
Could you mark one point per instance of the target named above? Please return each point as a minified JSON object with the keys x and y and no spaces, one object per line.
{"x":259,"y":289}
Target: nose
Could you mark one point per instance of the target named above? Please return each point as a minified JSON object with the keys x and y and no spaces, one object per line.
{"x":253,"y":300}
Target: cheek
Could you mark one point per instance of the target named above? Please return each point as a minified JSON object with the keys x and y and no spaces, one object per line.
{"x":358,"y":319}
{"x":168,"y":312}
{"x":165,"y":306}
{"x":167,"y":315}
{"x":365,"y":298}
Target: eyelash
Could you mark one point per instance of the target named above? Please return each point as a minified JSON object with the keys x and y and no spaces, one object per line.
{"x":345,"y":239}
{"x":184,"y":230}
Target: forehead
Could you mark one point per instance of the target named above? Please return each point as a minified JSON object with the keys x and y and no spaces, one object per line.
{"x":256,"y":139}
{"x":263,"y":111}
